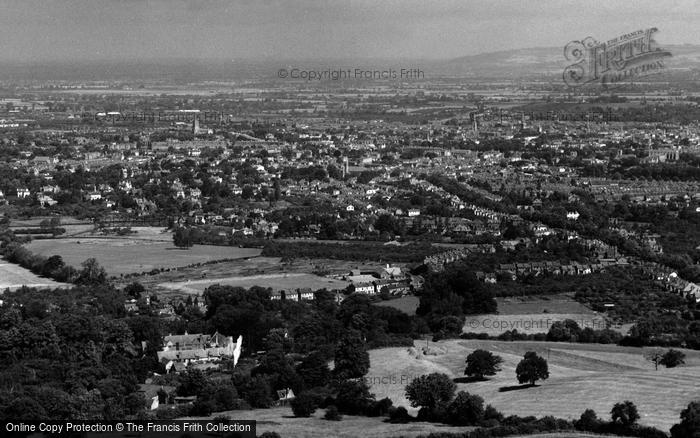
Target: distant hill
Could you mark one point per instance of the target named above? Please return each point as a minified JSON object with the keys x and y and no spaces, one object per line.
{"x":543,"y":61}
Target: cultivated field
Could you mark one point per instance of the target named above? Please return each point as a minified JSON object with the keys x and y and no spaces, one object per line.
{"x":283,"y":281}
{"x":128,"y":255}
{"x":14,"y":276}
{"x":582,"y":376}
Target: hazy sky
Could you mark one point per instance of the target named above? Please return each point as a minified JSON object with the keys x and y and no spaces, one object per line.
{"x":35,"y":30}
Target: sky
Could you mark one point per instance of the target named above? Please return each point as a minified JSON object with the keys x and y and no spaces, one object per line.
{"x":49,"y":30}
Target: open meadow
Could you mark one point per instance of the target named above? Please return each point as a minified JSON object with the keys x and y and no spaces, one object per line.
{"x":282,"y":281}
{"x":532,"y":315}
{"x":256,"y":271}
{"x":282,"y":421}
{"x":582,"y":376}
{"x":125,"y":255}
{"x":407,"y":304}
{"x":14,"y":276}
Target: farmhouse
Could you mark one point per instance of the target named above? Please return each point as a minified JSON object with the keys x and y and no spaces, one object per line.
{"x":364,"y":288}
{"x":180,"y":350}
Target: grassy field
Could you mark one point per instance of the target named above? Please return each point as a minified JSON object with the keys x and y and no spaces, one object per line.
{"x":529,"y":323}
{"x":282,"y":421}
{"x":282,"y":281}
{"x":544,"y":304}
{"x":533,"y":315}
{"x":582,"y":376}
{"x":127,"y":255}
{"x":262,"y":271}
{"x":14,"y":276}
{"x":407,"y":304}
{"x":72,"y":225}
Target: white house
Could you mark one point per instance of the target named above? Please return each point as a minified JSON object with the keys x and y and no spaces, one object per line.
{"x":572,"y":215}
{"x":23,"y":192}
{"x":93,"y":196}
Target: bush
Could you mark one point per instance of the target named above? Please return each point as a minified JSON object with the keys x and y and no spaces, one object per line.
{"x":332,"y":414}
{"x":202,"y":408}
{"x":321,"y":396}
{"x":672,"y":358}
{"x":491,"y":413}
{"x":399,"y":415}
{"x":437,"y":414}
{"x":166,"y":413}
{"x":648,"y":432}
{"x":303,"y":405}
{"x":379,"y":408}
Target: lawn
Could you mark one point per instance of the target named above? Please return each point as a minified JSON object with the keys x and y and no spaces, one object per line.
{"x":132,"y":255}
{"x":582,"y":376}
{"x":14,"y":276}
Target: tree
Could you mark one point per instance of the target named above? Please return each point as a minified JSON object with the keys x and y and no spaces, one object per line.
{"x":314,"y":370}
{"x":303,"y":405}
{"x":430,"y":390}
{"x":672,"y":358}
{"x":247,"y":192}
{"x":689,"y":427}
{"x":192,"y":382}
{"x":625,"y":413}
{"x":257,"y":392}
{"x":588,"y":421}
{"x":92,"y":273}
{"x":52,"y":264}
{"x":532,"y":368}
{"x":482,"y":363}
{"x":655,"y":355}
{"x":351,"y":357}
{"x":279,"y":369}
{"x":134,"y":290}
{"x":182,"y":238}
{"x":564,"y":331}
{"x":466,"y":409}
{"x":162,"y":396}
{"x":353,"y":396}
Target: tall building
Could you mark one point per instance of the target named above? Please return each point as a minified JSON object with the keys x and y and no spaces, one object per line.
{"x":346,"y":167}
{"x":195,"y":125}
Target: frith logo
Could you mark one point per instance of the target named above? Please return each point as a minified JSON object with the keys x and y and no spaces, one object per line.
{"x":621,"y":59}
